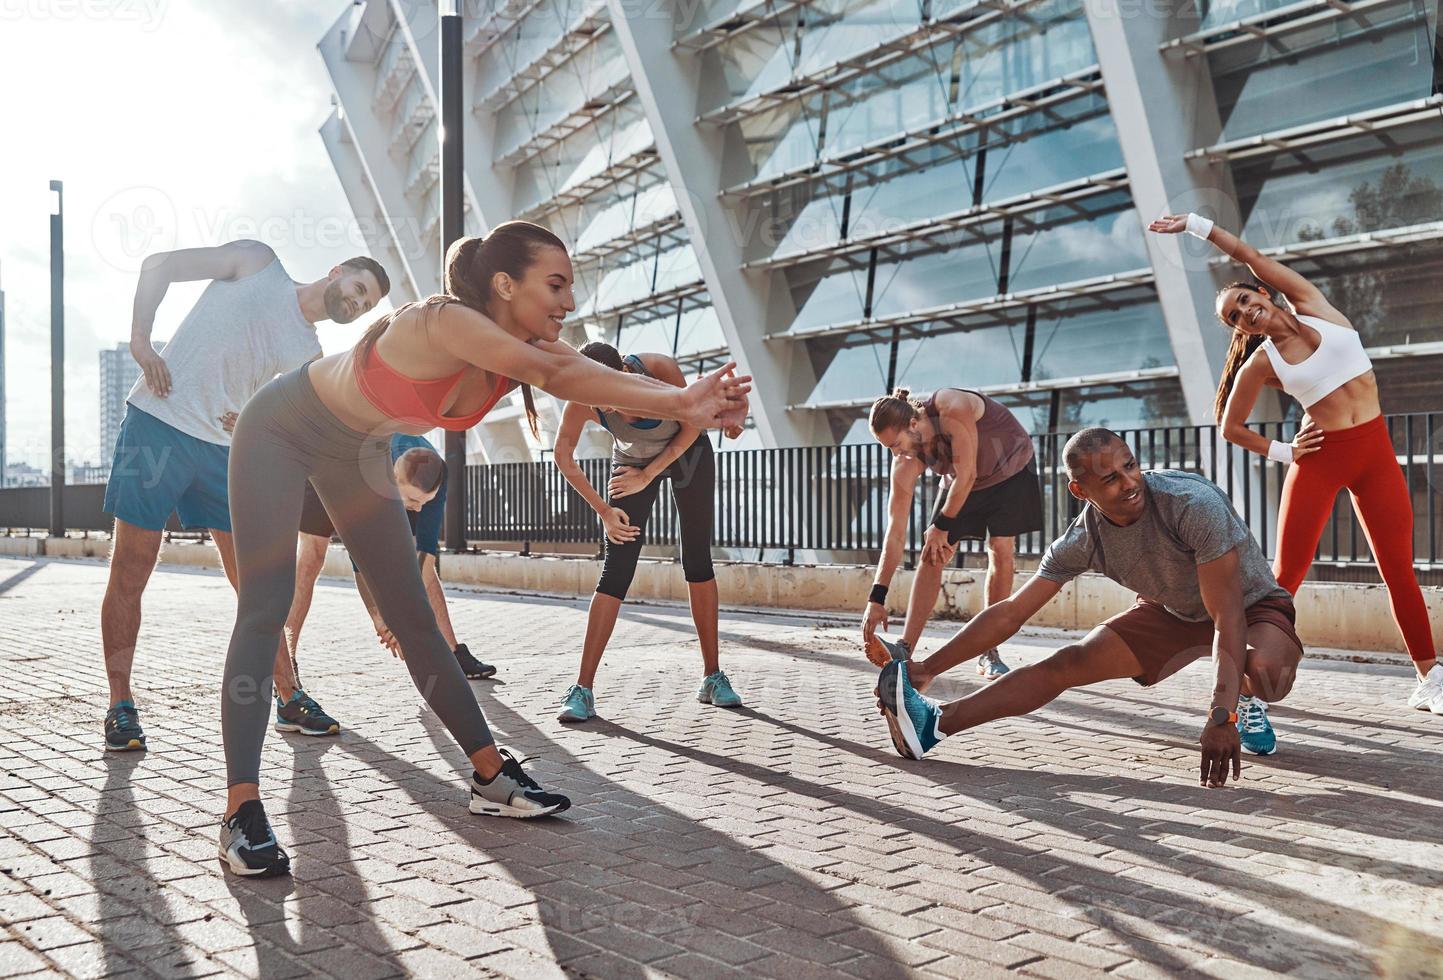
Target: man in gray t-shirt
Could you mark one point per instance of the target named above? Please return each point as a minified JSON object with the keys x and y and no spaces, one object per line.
{"x":1203,"y":587}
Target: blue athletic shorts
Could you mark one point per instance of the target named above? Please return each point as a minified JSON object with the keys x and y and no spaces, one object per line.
{"x":159,"y":469}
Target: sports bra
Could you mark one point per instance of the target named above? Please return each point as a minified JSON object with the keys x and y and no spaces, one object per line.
{"x":1340,"y":358}
{"x":417,"y":402}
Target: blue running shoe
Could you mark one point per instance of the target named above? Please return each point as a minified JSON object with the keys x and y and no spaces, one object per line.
{"x":716,"y":689}
{"x":302,"y":714}
{"x":122,"y":728}
{"x":990,"y":665}
{"x":1253,"y":729}
{"x":911,"y":717}
{"x":577,"y":706}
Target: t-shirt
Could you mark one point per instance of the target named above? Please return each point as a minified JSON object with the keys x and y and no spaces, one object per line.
{"x":1188,"y":521}
{"x":240,"y":334}
{"x":427,"y":523}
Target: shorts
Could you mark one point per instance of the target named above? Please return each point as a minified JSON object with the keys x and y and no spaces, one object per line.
{"x":1163,"y":643}
{"x":1009,"y":508}
{"x":425,"y":524}
{"x":158,"y":469}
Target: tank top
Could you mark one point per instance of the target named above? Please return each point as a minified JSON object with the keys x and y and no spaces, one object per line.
{"x":1340,"y":358}
{"x":415,"y":401}
{"x":638,"y":441}
{"x":240,"y":334}
{"x":1003,"y":446}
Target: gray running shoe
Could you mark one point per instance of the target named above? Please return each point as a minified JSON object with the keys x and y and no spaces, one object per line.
{"x":248,"y":845}
{"x":990,"y":665}
{"x":512,"y":793}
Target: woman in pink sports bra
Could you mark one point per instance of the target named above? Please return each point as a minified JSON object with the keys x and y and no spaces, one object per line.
{"x":444,"y":361}
{"x":1310,"y":350}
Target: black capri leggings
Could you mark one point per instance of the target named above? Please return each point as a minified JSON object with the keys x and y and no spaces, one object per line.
{"x":693,"y":487}
{"x":284,"y":437}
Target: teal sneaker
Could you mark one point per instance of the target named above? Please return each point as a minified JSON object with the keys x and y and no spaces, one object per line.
{"x":577,"y":706}
{"x":911,"y":717}
{"x":302,"y":714}
{"x":990,"y":665}
{"x":122,"y":728}
{"x":1254,"y":731}
{"x":716,"y":689}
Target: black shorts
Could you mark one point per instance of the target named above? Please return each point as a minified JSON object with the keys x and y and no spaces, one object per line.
{"x":1012,"y":507}
{"x":315,"y":520}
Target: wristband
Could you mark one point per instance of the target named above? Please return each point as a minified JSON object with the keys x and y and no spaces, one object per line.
{"x":1280,"y":452}
{"x":879,"y":594}
{"x":1198,"y":226}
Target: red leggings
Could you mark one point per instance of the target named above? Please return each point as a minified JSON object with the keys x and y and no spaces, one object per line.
{"x":1362,"y":460}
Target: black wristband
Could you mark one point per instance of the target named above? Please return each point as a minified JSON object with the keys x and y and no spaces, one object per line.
{"x":879,"y":594}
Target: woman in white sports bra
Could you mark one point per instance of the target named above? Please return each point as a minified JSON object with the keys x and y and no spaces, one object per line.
{"x":1313,"y":353}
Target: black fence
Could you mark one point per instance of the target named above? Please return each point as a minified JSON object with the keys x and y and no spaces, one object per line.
{"x":774,"y":503}
{"x":834,"y":498}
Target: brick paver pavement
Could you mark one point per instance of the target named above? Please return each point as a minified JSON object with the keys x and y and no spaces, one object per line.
{"x":782,"y":840}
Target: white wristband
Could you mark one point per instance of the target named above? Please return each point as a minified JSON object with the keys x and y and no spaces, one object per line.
{"x":1198,"y":226}
{"x":1280,"y":452}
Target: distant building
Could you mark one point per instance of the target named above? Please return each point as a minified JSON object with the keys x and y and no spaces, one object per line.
{"x":118,"y":374}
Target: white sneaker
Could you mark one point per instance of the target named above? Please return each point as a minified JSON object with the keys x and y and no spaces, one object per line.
{"x":1428,"y":694}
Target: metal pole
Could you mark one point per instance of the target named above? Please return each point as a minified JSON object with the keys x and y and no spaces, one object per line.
{"x":452,"y":228}
{"x":57,"y":363}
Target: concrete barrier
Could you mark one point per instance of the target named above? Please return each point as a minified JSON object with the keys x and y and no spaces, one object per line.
{"x":1338,"y":615}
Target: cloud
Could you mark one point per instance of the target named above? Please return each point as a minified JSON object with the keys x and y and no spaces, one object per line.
{"x":188,"y":126}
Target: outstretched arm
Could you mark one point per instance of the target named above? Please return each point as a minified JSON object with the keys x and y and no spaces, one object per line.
{"x":717,"y":400}
{"x":962,"y":434}
{"x":158,"y":271}
{"x":1222,"y":594}
{"x":905,"y":473}
{"x":1305,"y":297}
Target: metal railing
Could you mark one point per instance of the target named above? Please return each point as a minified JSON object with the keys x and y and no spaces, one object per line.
{"x":833,"y":499}
{"x":830,"y":502}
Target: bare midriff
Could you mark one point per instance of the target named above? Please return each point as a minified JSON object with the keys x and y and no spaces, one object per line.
{"x":1352,"y":404}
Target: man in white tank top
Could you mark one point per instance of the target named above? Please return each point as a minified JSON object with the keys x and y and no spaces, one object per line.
{"x":251,"y":323}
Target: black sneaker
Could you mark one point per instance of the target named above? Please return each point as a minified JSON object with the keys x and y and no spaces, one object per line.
{"x":248,"y":844}
{"x":122,"y":728}
{"x":302,"y":714}
{"x":471,"y":667}
{"x":512,"y":793}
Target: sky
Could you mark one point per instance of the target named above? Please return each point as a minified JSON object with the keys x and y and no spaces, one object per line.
{"x":173,"y":124}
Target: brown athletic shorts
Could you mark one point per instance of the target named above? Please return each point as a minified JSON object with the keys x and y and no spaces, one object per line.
{"x":1163,"y":643}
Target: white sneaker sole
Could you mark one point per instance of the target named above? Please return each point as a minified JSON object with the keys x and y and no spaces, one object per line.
{"x":286,"y":726}
{"x":904,"y":721}
{"x":485,"y":808}
{"x":134,"y":745}
{"x":245,"y":871}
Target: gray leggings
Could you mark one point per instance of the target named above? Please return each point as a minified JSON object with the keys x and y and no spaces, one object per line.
{"x":284,"y":437}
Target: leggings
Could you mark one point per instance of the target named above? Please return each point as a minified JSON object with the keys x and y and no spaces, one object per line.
{"x":1362,"y":460}
{"x":284,"y":437}
{"x":693,"y":487}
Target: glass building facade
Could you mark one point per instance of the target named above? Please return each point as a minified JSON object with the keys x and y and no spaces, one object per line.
{"x":852,"y":195}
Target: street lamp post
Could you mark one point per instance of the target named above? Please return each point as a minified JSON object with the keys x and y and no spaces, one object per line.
{"x":57,"y":362}
{"x":452,"y":228}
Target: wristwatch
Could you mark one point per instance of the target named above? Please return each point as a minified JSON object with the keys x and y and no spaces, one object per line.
{"x":1219,"y":715}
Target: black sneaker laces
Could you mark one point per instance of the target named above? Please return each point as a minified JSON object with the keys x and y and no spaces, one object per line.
{"x":512,"y":767}
{"x":252,"y":822}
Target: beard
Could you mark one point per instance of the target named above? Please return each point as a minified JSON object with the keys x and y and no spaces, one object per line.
{"x":337,"y":308}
